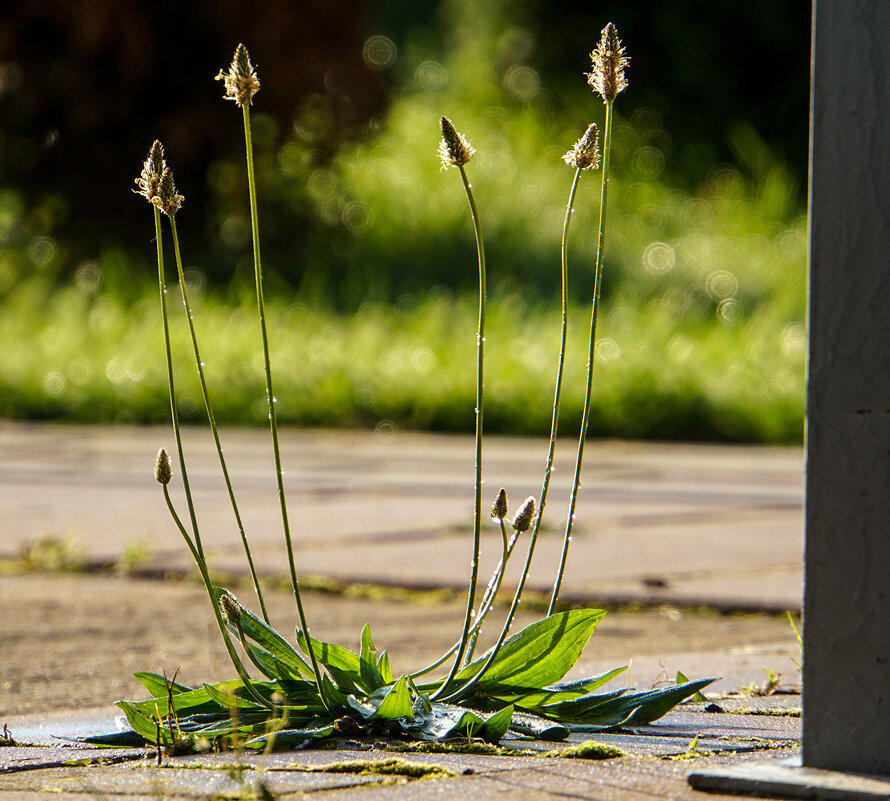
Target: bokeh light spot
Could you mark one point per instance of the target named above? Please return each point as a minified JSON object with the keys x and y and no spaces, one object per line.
{"x":379,"y":52}
{"x":659,"y":258}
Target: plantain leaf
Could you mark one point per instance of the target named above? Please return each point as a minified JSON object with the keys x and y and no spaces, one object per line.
{"x":536,"y":698}
{"x":262,"y":634}
{"x":384,"y":669}
{"x":144,"y":726}
{"x":664,"y":700}
{"x":396,"y":703}
{"x":699,"y":696}
{"x":157,"y":684}
{"x":289,"y":739}
{"x":449,"y":720}
{"x":496,"y":725}
{"x":368,"y":662}
{"x":540,"y":654}
{"x":537,"y":727}
{"x":344,"y":666}
{"x":231,"y":699}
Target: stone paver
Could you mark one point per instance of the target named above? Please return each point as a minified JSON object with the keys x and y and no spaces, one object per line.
{"x":674,"y":523}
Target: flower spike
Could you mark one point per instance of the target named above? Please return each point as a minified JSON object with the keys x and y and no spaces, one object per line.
{"x":454,"y":149}
{"x":585,"y":153}
{"x":240,"y":81}
{"x":149,"y":180}
{"x":606,"y":76}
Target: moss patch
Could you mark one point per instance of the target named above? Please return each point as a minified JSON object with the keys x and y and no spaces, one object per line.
{"x":392,"y":766}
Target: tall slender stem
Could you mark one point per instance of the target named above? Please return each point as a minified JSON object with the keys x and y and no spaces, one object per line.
{"x":270,"y":396}
{"x":208,"y":585}
{"x":533,"y":537}
{"x":174,"y":412}
{"x":212,"y":419}
{"x":477,"y":511}
{"x":485,"y":606}
{"x":594,"y":308}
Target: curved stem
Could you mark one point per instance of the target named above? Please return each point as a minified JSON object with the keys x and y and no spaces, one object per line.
{"x":270,"y":397}
{"x":212,"y":419}
{"x":533,"y":537}
{"x":485,"y":607}
{"x":594,"y":308}
{"x":491,"y":591}
{"x":174,"y":412}
{"x":205,"y":578}
{"x":477,"y":512}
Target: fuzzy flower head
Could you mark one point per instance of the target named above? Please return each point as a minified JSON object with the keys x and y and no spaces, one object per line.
{"x":163,"y":472}
{"x":240,"y":81}
{"x":230,"y":608}
{"x":585,"y":153}
{"x":606,"y":76}
{"x":166,"y":199}
{"x":499,"y":507}
{"x":523,"y":518}
{"x":149,"y":179}
{"x":454,"y":149}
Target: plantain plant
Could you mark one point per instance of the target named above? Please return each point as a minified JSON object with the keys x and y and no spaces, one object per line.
{"x":310,"y":689}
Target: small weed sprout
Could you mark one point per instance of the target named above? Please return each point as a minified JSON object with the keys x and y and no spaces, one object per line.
{"x":312,"y":689}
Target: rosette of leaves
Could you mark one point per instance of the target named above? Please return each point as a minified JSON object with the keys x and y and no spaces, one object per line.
{"x":522,"y":693}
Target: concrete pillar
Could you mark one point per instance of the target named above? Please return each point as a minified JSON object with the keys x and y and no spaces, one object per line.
{"x":846,"y":677}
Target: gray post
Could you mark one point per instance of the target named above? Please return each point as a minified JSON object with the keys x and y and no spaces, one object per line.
{"x":846,"y":677}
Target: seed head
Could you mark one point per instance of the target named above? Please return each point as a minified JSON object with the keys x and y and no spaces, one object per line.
{"x":230,"y":608}
{"x":523,"y":518}
{"x":163,"y":473}
{"x":240,"y":81}
{"x":499,"y":507}
{"x":150,"y":178}
{"x":454,"y":149}
{"x":606,"y":76}
{"x":585,"y":153}
{"x":166,"y":199}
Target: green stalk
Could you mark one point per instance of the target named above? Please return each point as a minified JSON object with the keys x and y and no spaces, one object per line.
{"x":594,"y":308}
{"x":212,"y":419}
{"x":485,"y":606}
{"x":205,"y":578}
{"x":477,"y":512}
{"x":533,"y":537}
{"x":174,"y":413}
{"x":491,"y":590}
{"x":270,"y":397}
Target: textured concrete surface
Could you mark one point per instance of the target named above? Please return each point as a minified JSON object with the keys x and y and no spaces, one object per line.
{"x":660,"y":523}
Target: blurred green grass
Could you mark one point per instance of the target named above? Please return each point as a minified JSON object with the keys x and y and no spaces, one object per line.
{"x":373,"y":314}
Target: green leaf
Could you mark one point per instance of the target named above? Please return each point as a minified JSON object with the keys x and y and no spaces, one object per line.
{"x":157,"y":684}
{"x":450,"y":720}
{"x":666,"y":699}
{"x":116,"y":739}
{"x":538,"y":727}
{"x":289,"y":739}
{"x":230,"y":699}
{"x":699,"y":697}
{"x":540,"y":654}
{"x":496,"y":725}
{"x":255,"y":629}
{"x":534,"y":698}
{"x":144,"y":726}
{"x":396,"y":703}
{"x":368,"y":662}
{"x":579,"y":707}
{"x":344,"y":666}
{"x":384,"y":669}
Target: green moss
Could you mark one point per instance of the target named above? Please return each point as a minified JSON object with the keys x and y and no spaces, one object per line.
{"x":391,"y":766}
{"x":587,"y":750}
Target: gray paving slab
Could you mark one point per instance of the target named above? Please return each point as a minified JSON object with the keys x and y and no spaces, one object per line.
{"x":656,"y":523}
{"x":787,"y":779}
